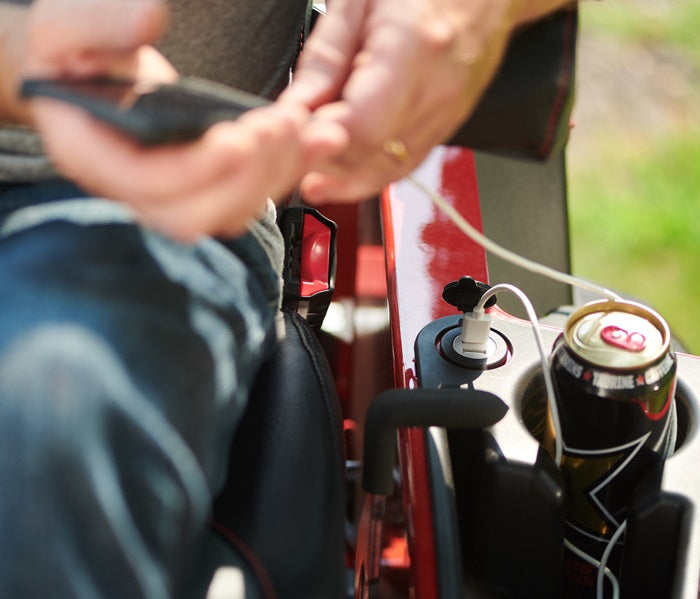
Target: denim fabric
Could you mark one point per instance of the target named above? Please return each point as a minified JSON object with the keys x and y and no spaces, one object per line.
{"x":125,"y":362}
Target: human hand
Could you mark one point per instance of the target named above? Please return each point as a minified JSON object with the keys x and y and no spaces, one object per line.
{"x":214,"y":185}
{"x":400,"y":76}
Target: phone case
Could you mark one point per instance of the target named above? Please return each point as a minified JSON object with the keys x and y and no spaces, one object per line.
{"x":151,"y":113}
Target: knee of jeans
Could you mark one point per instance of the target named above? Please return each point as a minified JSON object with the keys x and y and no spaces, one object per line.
{"x":91,"y":465}
{"x":64,"y":390}
{"x":53,"y":399}
{"x":56,"y":372}
{"x":70,"y":418}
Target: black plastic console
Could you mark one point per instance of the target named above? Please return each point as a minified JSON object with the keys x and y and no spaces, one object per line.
{"x":497,"y":497}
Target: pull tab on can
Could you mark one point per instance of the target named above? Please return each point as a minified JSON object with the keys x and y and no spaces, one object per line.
{"x":618,"y":337}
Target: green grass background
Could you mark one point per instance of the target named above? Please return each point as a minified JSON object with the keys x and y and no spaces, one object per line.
{"x":635,"y":199}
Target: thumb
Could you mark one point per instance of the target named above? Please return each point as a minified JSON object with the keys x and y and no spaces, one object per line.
{"x":326,"y":59}
{"x":61,"y":28}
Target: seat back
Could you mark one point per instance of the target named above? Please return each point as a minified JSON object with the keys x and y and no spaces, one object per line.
{"x":284,"y":498}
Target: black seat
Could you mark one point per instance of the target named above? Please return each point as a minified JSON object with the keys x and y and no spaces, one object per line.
{"x":284,"y":499}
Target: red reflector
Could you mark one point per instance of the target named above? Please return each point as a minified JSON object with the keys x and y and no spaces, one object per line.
{"x":315,"y":257}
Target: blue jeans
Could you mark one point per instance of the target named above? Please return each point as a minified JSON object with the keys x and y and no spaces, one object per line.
{"x":125,"y":363}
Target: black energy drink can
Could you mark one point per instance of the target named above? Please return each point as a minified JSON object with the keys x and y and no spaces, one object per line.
{"x":615,"y":376}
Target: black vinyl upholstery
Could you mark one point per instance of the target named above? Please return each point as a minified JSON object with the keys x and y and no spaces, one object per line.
{"x":284,"y":497}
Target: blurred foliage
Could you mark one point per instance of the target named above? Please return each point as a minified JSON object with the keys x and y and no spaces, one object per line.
{"x":673,"y":23}
{"x":636,"y":228}
{"x":635,"y":205}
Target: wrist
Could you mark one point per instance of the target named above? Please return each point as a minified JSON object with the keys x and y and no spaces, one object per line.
{"x":13,"y":27}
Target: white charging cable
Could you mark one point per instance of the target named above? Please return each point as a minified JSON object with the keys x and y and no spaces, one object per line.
{"x":602,"y":570}
{"x":530,"y":266}
{"x":603,"y":567}
{"x":546,"y":371}
{"x":501,"y":252}
{"x":478,"y":313}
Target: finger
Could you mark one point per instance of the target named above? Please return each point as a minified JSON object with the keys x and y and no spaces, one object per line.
{"x":328,"y":53}
{"x":321,"y":139}
{"x":381,"y":89}
{"x":419,"y":129}
{"x":134,"y":173}
{"x":62,"y":27}
{"x":228,"y":205}
{"x":385,"y":83}
{"x":342,"y":184}
{"x":109,"y":163}
{"x":320,"y":188}
{"x":214,"y":185}
{"x":363,"y":172}
{"x":215,"y":211}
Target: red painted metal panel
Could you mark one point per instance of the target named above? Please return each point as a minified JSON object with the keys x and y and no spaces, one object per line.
{"x":424,"y":252}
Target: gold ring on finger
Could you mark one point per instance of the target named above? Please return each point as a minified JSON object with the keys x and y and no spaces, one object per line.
{"x":396,"y":149}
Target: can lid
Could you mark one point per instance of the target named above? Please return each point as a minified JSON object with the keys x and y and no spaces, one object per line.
{"x":617,"y":334}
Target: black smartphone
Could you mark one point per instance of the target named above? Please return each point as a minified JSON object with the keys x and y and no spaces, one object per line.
{"x":152,"y":114}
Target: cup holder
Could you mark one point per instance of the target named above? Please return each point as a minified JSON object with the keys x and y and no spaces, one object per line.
{"x":533,"y":408}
